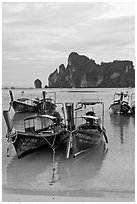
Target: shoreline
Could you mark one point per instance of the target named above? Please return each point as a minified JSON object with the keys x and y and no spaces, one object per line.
{"x":27,"y":195}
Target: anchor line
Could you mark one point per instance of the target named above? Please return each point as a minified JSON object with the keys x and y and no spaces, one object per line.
{"x":53,"y":158}
{"x":54,"y":141}
{"x":47,"y":141}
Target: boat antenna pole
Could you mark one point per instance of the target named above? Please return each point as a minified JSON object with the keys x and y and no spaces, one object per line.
{"x":44,"y":100}
{"x":11,"y":96}
{"x":121,"y":100}
{"x":103,"y":115}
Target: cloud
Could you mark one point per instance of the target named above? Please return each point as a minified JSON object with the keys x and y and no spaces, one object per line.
{"x":43,"y":34}
{"x":50,"y":13}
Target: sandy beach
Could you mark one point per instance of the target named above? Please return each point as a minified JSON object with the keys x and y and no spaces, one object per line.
{"x":64,"y":196}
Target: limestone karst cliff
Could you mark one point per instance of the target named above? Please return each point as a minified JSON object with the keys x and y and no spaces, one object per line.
{"x":84,"y":72}
{"x":38,"y":83}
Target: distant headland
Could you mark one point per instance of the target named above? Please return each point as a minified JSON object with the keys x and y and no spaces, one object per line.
{"x":82,"y":72}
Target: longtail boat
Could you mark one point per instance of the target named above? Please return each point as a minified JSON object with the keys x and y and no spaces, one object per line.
{"x":40,"y":130}
{"x":24,"y":104}
{"x":120,"y":103}
{"x":87,"y":129}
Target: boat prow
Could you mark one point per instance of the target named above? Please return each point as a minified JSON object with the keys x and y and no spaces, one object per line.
{"x":120,"y":103}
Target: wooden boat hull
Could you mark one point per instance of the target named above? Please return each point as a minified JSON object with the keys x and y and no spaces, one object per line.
{"x":120,"y":108}
{"x":26,"y":143}
{"x":84,"y":140}
{"x":23,"y":107}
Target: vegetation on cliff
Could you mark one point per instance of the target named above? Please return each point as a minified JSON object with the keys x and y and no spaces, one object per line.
{"x":84,"y":72}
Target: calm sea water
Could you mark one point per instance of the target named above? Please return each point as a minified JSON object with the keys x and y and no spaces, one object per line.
{"x":94,"y":171}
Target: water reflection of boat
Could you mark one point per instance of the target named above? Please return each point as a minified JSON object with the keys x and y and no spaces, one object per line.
{"x":24,"y":173}
{"x":34,"y":171}
{"x":121,"y":122}
{"x":78,"y":171}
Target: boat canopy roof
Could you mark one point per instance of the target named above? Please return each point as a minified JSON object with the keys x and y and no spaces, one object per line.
{"x":90,"y":117}
{"x":90,"y":101}
{"x":41,"y":116}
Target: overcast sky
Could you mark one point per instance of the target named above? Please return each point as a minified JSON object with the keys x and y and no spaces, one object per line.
{"x":38,"y":37}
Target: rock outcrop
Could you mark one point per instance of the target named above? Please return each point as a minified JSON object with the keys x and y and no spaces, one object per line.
{"x":84,"y":72}
{"x":37,"y":83}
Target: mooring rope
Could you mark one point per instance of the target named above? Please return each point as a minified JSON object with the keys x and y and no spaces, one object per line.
{"x":53,"y":159}
{"x":53,"y":168}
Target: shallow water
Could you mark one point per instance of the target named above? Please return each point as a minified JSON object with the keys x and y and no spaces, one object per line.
{"x":113,"y":171}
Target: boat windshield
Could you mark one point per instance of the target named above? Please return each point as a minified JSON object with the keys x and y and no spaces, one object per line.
{"x":35,"y":123}
{"x":91,"y":110}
